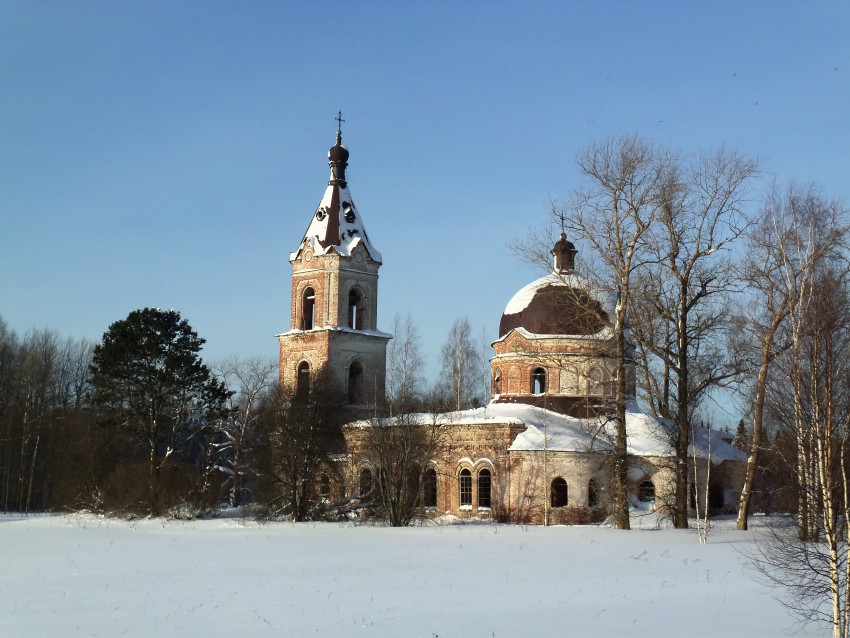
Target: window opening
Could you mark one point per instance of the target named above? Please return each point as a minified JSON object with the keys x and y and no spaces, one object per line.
{"x":324,"y":486}
{"x":559,"y":492}
{"x":484,"y":483}
{"x":465,"y":485}
{"x":302,"y":387}
{"x":356,"y":309}
{"x":430,"y":487}
{"x":308,"y":309}
{"x":646,"y":491}
{"x":538,"y":381}
{"x":592,"y":494}
{"x":355,"y":383}
{"x":497,"y":382}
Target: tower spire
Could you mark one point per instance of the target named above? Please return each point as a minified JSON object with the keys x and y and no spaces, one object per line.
{"x":339,"y":122}
{"x":336,"y":225}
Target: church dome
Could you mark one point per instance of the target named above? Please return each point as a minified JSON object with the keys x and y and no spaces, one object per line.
{"x":557,"y":304}
{"x":561,"y":303}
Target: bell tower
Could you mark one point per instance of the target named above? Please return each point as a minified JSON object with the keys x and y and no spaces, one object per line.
{"x":334,"y":302}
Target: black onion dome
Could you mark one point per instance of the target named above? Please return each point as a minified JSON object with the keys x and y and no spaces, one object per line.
{"x":338,"y":161}
{"x":338,"y":154}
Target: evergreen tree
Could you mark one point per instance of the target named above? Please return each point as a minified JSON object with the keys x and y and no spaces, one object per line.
{"x":151,"y":385}
{"x":742,"y":439}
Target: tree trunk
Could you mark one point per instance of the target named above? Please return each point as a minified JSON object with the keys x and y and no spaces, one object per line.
{"x":758,"y":419}
{"x":680,"y":512}
{"x":621,"y":486}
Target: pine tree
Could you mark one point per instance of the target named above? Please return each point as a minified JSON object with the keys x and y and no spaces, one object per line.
{"x":153,"y":388}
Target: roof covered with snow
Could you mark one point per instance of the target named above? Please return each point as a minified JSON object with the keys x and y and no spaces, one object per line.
{"x":525,"y":295}
{"x":337,"y":225}
{"x":561,"y":303}
{"x":647,"y":435}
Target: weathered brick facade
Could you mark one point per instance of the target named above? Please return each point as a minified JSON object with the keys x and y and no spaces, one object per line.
{"x":334,"y":299}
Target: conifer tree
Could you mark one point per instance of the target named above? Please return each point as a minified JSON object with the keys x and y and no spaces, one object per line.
{"x":151,"y":386}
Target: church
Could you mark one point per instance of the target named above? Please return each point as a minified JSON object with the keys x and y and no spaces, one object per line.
{"x":539,"y":451}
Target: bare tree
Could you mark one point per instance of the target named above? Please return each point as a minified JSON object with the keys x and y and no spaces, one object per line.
{"x":804,"y":237}
{"x":461,"y":363}
{"x":773,"y":278}
{"x":402,"y":445}
{"x":404,"y":367}
{"x":43,"y":381}
{"x":248,"y":379}
{"x":679,"y":309}
{"x":38,"y":359}
{"x":613,"y":214}
{"x":402,"y":448}
{"x":814,"y":566}
{"x":302,"y":430}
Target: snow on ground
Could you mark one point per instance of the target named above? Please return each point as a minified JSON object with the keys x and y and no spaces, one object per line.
{"x":81,"y":575}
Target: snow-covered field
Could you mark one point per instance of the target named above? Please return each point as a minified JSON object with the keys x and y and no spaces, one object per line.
{"x":78,"y":575}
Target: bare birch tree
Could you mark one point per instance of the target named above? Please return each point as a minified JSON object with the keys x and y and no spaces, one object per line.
{"x":461,"y":363}
{"x":806,"y":237}
{"x":813,"y":563}
{"x":773,"y":279}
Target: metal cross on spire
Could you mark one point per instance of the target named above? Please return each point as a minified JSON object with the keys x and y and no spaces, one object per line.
{"x":339,"y":122}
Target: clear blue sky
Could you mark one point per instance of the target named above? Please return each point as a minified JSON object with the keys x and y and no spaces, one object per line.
{"x":171,"y":153}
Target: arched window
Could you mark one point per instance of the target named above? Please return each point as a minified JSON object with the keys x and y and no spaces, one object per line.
{"x":356,"y":309}
{"x":497,"y":381}
{"x":559,"y":492}
{"x":646,"y":491}
{"x":430,"y":488}
{"x":465,"y":487}
{"x":308,"y":309}
{"x":592,"y":494}
{"x":302,"y":387}
{"x":538,"y":381}
{"x":324,"y":486}
{"x":365,"y":482}
{"x":484,"y":484}
{"x":355,"y":383}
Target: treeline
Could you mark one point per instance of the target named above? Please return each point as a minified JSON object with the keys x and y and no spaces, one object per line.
{"x":47,"y":444}
{"x":138,"y":423}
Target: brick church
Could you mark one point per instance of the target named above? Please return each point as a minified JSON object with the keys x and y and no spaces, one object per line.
{"x":538,"y":451}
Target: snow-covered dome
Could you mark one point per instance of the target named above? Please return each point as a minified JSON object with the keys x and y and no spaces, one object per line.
{"x":561,"y":303}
